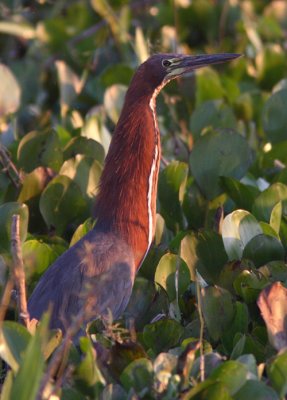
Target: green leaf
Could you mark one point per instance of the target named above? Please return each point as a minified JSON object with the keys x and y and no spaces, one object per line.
{"x":40,"y":149}
{"x":82,"y":145}
{"x":7,"y":210}
{"x":213,"y":114}
{"x":239,"y":324}
{"x":218,"y":310}
{"x":29,"y":375}
{"x":276,"y":216}
{"x":238,"y":229}
{"x":277,"y":373}
{"x":232,"y":374}
{"x":242,"y":195}
{"x":14,"y":339}
{"x":208,"y":85}
{"x":10,"y":91}
{"x":173,"y":275}
{"x":255,"y":390}
{"x":248,"y":285}
{"x":171,"y":188}
{"x":262,"y":249}
{"x":147,"y":301}
{"x":85,"y":172}
{"x":56,"y":200}
{"x":138,"y":375}
{"x":216,"y":154}
{"x":274,"y":116}
{"x":162,"y":335}
{"x":194,"y":206}
{"x":7,"y":386}
{"x":266,"y":201}
{"x":82,"y":230}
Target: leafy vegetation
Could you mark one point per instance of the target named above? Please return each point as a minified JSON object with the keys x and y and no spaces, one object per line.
{"x":192,"y":329}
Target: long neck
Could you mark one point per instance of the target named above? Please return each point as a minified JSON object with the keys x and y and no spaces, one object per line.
{"x":126,"y":202}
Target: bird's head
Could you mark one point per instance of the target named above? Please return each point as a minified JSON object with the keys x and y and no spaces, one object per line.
{"x":159,"y":69}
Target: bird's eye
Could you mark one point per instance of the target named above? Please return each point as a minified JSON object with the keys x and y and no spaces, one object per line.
{"x":166,"y":63}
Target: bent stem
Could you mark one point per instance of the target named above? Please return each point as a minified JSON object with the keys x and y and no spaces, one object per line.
{"x":201,"y":321}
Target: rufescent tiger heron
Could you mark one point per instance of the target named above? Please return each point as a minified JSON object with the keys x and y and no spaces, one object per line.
{"x":97,"y":273}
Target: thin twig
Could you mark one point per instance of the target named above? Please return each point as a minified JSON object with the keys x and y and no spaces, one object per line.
{"x":201,"y":321}
{"x":18,"y":271}
{"x":9,"y":167}
{"x":5,"y":301}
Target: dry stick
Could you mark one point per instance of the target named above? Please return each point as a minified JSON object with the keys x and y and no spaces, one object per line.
{"x":9,"y":167}
{"x":201,"y":320}
{"x":18,"y":271}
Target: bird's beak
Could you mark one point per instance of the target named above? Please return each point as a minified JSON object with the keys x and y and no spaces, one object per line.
{"x":185,"y":64}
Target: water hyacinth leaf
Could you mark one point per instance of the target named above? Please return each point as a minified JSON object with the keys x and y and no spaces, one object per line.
{"x":82,"y":230}
{"x":272,"y":302}
{"x":56,"y":200}
{"x":84,"y":146}
{"x":40,"y":149}
{"x":213,"y":113}
{"x":238,"y":228}
{"x":256,"y":390}
{"x":267,"y":200}
{"x":248,"y":285}
{"x":239,"y":324}
{"x":37,"y":256}
{"x":138,"y":375}
{"x":162,"y":335}
{"x":7,"y":210}
{"x":274,"y":116}
{"x":14,"y":339}
{"x":262,"y":249}
{"x":117,"y":73}
{"x":85,"y":172}
{"x":276,"y":216}
{"x":218,"y":310}
{"x":171,"y":188}
{"x":208,"y":85}
{"x":173,"y":275}
{"x":232,"y":374}
{"x":216,"y":154}
{"x":113,"y":101}
{"x":277,"y":373}
{"x":148,"y":300}
{"x":268,"y":230}
{"x":34,"y":183}
{"x":10,"y":92}
{"x":7,"y":386}
{"x":113,"y":391}
{"x":242,"y":195}
{"x":193,"y":206}
{"x":32,"y":365}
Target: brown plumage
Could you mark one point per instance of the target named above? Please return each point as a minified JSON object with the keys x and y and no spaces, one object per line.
{"x":97,"y":273}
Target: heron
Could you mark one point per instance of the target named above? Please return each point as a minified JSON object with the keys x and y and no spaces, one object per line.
{"x":95,"y":276}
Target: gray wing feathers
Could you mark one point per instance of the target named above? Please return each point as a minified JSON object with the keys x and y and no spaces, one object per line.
{"x":97,"y":274}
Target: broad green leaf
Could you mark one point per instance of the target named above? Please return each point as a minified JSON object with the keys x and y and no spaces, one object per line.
{"x":255,"y":390}
{"x":239,"y":324}
{"x":218,"y":310}
{"x":213,"y":113}
{"x":113,"y":391}
{"x":277,"y":373}
{"x":262,"y":249}
{"x":274,"y":116}
{"x":173,"y":275}
{"x":162,"y":335}
{"x":138,"y":375}
{"x":267,"y":200}
{"x":10,"y":91}
{"x":40,"y":149}
{"x":7,"y":210}
{"x":14,"y":339}
{"x":82,"y":230}
{"x":34,"y":183}
{"x":171,"y":188}
{"x":216,"y":154}
{"x":116,"y":73}
{"x":248,"y":285}
{"x":114,"y":100}
{"x":270,"y":63}
{"x":276,"y":216}
{"x":85,"y":172}
{"x":147,"y":301}
{"x":208,"y":85}
{"x":194,"y":206}
{"x":30,"y":372}
{"x":238,"y":229}
{"x":7,"y":386}
{"x":232,"y":374}
{"x":56,"y":201}
{"x":242,"y":195}
{"x":85,"y":146}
